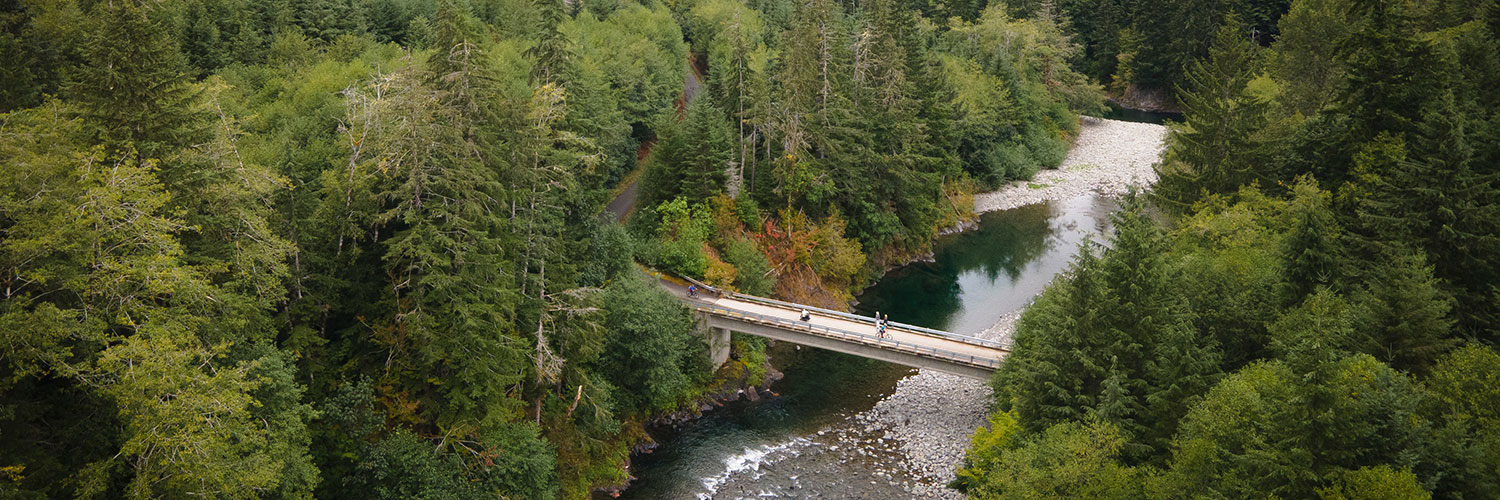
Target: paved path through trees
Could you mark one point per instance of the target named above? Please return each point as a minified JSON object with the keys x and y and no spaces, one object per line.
{"x":624,"y":202}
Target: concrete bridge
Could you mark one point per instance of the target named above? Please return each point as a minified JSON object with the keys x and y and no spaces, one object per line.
{"x":723,"y":312}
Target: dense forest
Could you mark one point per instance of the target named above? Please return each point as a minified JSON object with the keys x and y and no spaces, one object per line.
{"x":356,"y":248}
{"x":1305,"y":305}
{"x":1139,"y":49}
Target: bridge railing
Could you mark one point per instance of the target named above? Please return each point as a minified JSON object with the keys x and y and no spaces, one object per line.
{"x":849,"y":316}
{"x":846,"y":335}
{"x":866,"y":319}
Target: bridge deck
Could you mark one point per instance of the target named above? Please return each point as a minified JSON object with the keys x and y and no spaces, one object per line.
{"x":858,"y":329}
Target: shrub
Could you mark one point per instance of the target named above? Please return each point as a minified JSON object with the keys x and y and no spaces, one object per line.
{"x":1045,"y":144}
{"x":680,"y":239}
{"x":753,"y":268}
{"x":719,"y":273}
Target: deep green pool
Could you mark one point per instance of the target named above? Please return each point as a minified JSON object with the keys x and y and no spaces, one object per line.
{"x":803,"y":443}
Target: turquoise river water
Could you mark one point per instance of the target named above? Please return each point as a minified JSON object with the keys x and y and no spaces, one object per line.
{"x":802,"y":442}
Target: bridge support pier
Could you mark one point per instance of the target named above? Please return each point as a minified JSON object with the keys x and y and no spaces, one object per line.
{"x":718,"y":345}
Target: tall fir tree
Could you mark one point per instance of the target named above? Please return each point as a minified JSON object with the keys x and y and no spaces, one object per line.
{"x":1313,"y":247}
{"x":708,"y":143}
{"x":550,"y":55}
{"x":1219,"y":148}
{"x":133,"y":91}
{"x":1404,"y":317}
{"x":1433,"y":198}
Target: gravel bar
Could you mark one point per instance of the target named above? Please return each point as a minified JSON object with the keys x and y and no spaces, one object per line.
{"x":1108,"y":157}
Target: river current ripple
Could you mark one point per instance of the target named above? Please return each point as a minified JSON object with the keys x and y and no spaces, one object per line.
{"x":815,"y":438}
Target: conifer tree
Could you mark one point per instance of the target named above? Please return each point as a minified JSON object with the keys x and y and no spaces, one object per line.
{"x":1312,"y":249}
{"x":560,"y":317}
{"x":806,"y":74}
{"x":1390,"y":78}
{"x":1122,"y":308}
{"x":1117,"y":406}
{"x":1218,"y":149}
{"x":594,"y":104}
{"x":737,"y":65}
{"x":551,"y":53}
{"x":1048,"y":380}
{"x":419,"y":196}
{"x":1404,"y":316}
{"x":1304,"y":58}
{"x":1150,"y":329}
{"x":1436,"y":200}
{"x":133,"y":90}
{"x":708,"y":144}
{"x":1391,"y":75}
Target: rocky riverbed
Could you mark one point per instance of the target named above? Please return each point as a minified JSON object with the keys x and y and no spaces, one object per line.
{"x":1108,"y":157}
{"x":932,"y":415}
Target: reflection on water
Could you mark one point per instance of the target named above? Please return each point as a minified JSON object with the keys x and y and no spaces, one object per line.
{"x":804,"y":443}
{"x":980,"y":275}
{"x":1135,"y":115}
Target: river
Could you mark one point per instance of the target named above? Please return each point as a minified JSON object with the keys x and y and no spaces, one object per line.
{"x":1115,"y":112}
{"x":804,"y":442}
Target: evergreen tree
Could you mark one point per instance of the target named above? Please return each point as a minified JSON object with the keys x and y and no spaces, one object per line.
{"x":1304,"y":58}
{"x":1391,"y":77}
{"x":1268,"y":431}
{"x":561,"y":317}
{"x":327,"y":20}
{"x":132,"y":89}
{"x":420,"y":196}
{"x":1435,"y":200}
{"x":594,"y":107}
{"x":19,"y":85}
{"x":550,"y":54}
{"x":1404,"y":319}
{"x":708,"y":141}
{"x":1046,"y":381}
{"x":1312,"y":249}
{"x":1125,"y":309}
{"x":652,"y":350}
{"x":692,"y":157}
{"x":1219,"y":148}
{"x":1462,"y":401}
{"x":1151,"y":328}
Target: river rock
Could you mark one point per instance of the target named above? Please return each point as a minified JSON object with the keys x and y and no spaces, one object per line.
{"x":1109,"y":157}
{"x":931,"y":415}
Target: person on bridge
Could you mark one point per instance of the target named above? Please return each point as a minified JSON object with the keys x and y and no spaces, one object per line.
{"x":693,"y":291}
{"x":806,"y":316}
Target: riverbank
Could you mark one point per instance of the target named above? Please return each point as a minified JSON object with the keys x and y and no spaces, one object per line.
{"x":1108,"y":157}
{"x":932,"y":415}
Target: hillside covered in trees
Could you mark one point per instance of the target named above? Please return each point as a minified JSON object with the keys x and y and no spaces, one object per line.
{"x":355,"y":248}
{"x":1305,"y":306}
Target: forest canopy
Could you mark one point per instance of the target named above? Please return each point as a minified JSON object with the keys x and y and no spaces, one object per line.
{"x":1304,"y":306}
{"x":358,"y":248}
